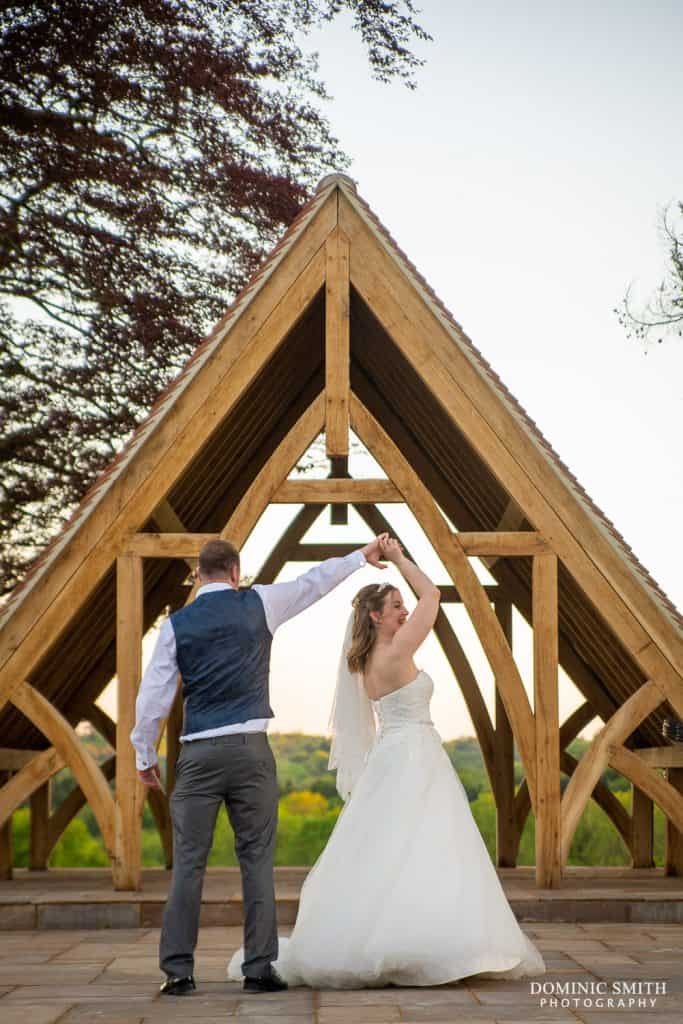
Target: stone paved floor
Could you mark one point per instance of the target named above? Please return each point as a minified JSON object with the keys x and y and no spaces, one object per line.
{"x":111,"y":977}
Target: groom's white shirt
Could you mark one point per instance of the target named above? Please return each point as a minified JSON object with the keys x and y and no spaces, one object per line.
{"x":281,"y":601}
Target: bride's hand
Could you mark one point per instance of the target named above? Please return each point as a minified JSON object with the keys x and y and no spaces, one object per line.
{"x":391,"y":549}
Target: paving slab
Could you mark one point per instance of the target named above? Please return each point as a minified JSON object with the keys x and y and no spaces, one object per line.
{"x":81,"y":977}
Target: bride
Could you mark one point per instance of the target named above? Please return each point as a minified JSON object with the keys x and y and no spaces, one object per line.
{"x":405,"y":891}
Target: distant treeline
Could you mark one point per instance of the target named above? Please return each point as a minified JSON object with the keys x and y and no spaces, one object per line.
{"x":309,"y":806}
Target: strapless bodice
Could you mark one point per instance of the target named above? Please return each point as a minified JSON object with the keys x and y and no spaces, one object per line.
{"x":408,"y":705}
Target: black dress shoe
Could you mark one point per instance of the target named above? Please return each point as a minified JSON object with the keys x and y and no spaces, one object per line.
{"x":178,"y":986}
{"x":269,"y":981}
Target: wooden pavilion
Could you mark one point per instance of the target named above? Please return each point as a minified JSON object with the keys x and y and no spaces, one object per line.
{"x":338,"y":332}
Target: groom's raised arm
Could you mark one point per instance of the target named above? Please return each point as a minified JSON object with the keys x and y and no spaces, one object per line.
{"x":282,"y":601}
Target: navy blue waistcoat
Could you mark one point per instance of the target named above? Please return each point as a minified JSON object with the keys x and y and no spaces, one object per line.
{"x":223,"y":649}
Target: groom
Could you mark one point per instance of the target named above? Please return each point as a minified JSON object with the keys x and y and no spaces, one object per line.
{"x":220,"y":644}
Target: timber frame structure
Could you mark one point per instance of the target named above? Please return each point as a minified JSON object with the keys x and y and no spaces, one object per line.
{"x":338,"y":332}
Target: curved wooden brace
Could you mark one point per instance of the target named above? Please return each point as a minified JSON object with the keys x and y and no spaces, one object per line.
{"x":158,"y":801}
{"x":647,"y":779}
{"x":570,"y":728}
{"x":602,"y":795}
{"x":256,"y":499}
{"x":455,"y":655}
{"x":605,"y":799}
{"x":593,"y":763}
{"x":84,"y":767}
{"x":473,"y":595}
{"x":60,"y":819}
{"x":29,"y":778}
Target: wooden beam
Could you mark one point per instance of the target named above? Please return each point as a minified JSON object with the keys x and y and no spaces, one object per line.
{"x":168,"y":545}
{"x":445,"y":543}
{"x":64,"y":738}
{"x":19,"y":787}
{"x":39,"y":849}
{"x":339,"y":469}
{"x":325,"y":492}
{"x":642,"y":829}
{"x":12,"y":760}
{"x":596,"y":759}
{"x":507,"y":839}
{"x":503,"y":545}
{"x":546,"y":717}
{"x":661,"y":757}
{"x":337,"y":347}
{"x":129,"y":790}
{"x":257,"y":327}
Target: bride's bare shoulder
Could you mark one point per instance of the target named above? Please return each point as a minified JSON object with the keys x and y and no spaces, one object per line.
{"x":383,"y":674}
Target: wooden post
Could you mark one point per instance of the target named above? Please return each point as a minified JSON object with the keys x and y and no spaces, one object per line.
{"x":673,"y":857}
{"x":504,"y":764}
{"x":337,"y":347}
{"x":129,"y":790}
{"x":5,"y":840}
{"x":40,"y":817}
{"x":546,"y":716}
{"x":339,"y":469}
{"x":642,"y":822}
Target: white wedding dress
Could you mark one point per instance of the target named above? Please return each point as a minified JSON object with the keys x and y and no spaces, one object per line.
{"x":405,"y":891}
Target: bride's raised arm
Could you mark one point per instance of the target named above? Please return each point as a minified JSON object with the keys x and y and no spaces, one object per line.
{"x":409,"y":637}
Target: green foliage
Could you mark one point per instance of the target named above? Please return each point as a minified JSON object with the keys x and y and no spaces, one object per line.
{"x":75,"y":848}
{"x":310,"y":806}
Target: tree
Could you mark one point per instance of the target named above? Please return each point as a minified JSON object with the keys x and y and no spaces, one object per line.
{"x":663,"y":314}
{"x":150,"y":152}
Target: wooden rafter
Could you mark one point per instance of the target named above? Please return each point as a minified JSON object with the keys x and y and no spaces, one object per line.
{"x":337,"y":344}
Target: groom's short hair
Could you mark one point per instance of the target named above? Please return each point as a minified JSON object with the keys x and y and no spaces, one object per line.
{"x":217,"y":558}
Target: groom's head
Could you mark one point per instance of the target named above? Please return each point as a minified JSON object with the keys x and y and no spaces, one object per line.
{"x":219,"y":562}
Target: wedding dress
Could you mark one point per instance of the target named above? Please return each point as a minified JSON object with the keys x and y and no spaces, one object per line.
{"x":405,"y":891}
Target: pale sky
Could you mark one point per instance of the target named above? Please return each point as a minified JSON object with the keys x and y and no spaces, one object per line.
{"x":523,"y":178}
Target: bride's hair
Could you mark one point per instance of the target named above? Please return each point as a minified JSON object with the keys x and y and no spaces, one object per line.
{"x":368,"y":599}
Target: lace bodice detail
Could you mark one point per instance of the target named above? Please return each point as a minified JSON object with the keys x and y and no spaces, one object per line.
{"x":408,"y":705}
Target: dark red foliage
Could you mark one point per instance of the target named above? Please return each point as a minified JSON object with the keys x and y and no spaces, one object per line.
{"x":151,"y":151}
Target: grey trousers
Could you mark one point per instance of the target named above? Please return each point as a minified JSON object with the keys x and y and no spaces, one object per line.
{"x":238,"y":770}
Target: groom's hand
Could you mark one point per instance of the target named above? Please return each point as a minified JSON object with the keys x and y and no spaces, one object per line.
{"x":373,"y":551}
{"x":151,"y":777}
